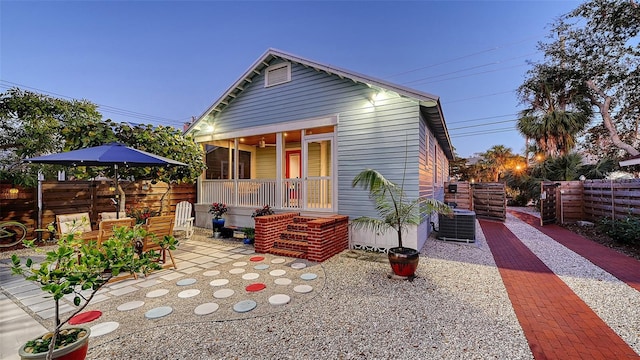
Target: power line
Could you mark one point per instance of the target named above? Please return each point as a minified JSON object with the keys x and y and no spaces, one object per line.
{"x":474,"y":133}
{"x":103,"y":108}
{"x":486,"y":124}
{"x":482,"y":118}
{"x":480,"y":96}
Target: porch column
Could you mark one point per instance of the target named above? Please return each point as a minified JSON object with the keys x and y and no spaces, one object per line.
{"x":279,"y":169}
{"x":236,"y":153}
{"x":202,"y":177}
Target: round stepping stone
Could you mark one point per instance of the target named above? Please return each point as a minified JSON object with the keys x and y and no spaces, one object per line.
{"x":303,"y":289}
{"x":157,"y":293}
{"x":211,"y":273}
{"x":278,"y":261}
{"x":188,"y":293}
{"x":256,"y":258}
{"x":256,"y":287}
{"x":223,"y":293}
{"x":206,"y":308}
{"x":103,"y":328}
{"x":278,"y":272}
{"x":130,"y":305}
{"x":298,"y":266}
{"x":282,"y":281}
{"x":219,"y":282}
{"x":236,"y":271}
{"x":308,"y":276}
{"x":261,"y":267}
{"x":244,"y":306}
{"x":279,"y":299}
{"x":85,"y":317}
{"x":186,"y":282}
{"x":239,"y":264}
{"x":158,"y":312}
{"x":250,"y":276}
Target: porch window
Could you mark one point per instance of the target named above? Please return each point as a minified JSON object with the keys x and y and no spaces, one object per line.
{"x":218,"y":162}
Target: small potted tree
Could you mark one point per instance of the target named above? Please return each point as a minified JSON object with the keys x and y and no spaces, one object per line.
{"x":81,"y":269}
{"x":396,"y":213}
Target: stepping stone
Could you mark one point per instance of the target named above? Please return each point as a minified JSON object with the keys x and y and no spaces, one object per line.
{"x":219,"y":282}
{"x":130,"y":305}
{"x":223,"y":293}
{"x":244,"y":306}
{"x":278,"y":272}
{"x":282,"y":281}
{"x":298,"y":266}
{"x":157,"y":293}
{"x":308,"y":276}
{"x":236,"y":271}
{"x":256,"y":287}
{"x":206,"y":308}
{"x":85,"y":317}
{"x":158,"y":312}
{"x":278,"y":261}
{"x":239,"y":264}
{"x":250,"y":276}
{"x":188,"y":293}
{"x":261,"y":267}
{"x":186,"y":282}
{"x":256,"y":258}
{"x":103,"y":328}
{"x":303,"y":289}
{"x":279,"y":299}
{"x":211,"y":273}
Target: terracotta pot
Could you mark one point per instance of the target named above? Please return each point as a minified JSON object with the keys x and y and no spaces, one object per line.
{"x":73,"y":351}
{"x":404,"y":261}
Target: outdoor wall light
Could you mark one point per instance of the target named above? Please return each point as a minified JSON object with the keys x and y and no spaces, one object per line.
{"x":112,"y":188}
{"x":14,"y":191}
{"x":430,"y":103}
{"x":377,"y":97}
{"x":209,"y":128}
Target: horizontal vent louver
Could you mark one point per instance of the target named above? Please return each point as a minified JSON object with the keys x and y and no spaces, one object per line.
{"x":278,"y":75}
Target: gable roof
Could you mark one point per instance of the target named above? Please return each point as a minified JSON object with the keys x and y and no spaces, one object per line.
{"x":429,"y":104}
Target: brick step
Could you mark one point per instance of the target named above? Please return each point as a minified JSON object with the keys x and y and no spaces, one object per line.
{"x":288,"y":253}
{"x":302,"y":219}
{"x":293,"y":235}
{"x":291,"y":245}
{"x":300,"y":227}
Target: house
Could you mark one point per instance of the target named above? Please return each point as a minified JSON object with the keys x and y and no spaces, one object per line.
{"x":292,"y":133}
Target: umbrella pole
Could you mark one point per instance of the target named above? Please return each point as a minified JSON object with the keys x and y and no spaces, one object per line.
{"x":115,"y":167}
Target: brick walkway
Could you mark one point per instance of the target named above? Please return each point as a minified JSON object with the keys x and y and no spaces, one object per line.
{"x":555,"y":321}
{"x":625,"y":268}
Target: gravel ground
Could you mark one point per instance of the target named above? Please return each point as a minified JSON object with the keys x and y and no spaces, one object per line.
{"x":457,"y":307}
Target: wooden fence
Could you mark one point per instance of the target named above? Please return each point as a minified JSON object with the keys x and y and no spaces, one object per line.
{"x":610,"y":198}
{"x":94,"y":197}
{"x":488,"y":200}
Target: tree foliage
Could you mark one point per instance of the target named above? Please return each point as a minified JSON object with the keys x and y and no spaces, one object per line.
{"x":34,"y":124}
{"x":592,"y":58}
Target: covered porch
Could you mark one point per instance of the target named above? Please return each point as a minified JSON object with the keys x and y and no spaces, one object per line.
{"x":286,"y":167}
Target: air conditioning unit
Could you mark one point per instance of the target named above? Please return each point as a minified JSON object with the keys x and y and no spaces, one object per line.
{"x":461,"y":226}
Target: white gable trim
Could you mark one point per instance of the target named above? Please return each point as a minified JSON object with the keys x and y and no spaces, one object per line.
{"x":273,"y":128}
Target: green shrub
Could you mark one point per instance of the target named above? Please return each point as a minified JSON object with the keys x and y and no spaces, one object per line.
{"x":624,"y":230}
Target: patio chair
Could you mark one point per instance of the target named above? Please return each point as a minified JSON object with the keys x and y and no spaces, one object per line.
{"x":159,"y":226}
{"x":183,"y":220}
{"x":110,"y":215}
{"x":79,"y":223}
{"x":105,"y":228}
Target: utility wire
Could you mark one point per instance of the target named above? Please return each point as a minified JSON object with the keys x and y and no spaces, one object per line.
{"x":485,"y":124}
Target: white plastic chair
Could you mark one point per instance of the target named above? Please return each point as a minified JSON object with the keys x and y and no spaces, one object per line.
{"x":183,"y":220}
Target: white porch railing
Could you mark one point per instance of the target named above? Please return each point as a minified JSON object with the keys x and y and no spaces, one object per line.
{"x":257,"y":193}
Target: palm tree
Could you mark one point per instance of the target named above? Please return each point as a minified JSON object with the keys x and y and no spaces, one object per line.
{"x":497,"y":159}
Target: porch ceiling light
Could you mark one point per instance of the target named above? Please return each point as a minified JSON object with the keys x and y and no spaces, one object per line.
{"x":376,"y":97}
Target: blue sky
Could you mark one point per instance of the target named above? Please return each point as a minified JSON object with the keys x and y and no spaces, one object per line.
{"x":163,"y":62}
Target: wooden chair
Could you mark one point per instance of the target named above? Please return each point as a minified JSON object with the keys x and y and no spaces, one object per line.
{"x":105,"y":231}
{"x":105,"y":228}
{"x":183,"y":220}
{"x":77,"y":222}
{"x":110,"y":215}
{"x":159,"y":226}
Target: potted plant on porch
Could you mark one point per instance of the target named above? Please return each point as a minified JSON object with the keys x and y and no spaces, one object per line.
{"x":217,"y":223}
{"x":80,"y":270}
{"x":396,"y":213}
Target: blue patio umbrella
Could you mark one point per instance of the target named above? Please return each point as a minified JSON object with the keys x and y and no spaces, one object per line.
{"x":112,"y":154}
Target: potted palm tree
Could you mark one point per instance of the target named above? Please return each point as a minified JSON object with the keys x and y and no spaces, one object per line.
{"x":80,"y":269}
{"x":396,"y":213}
